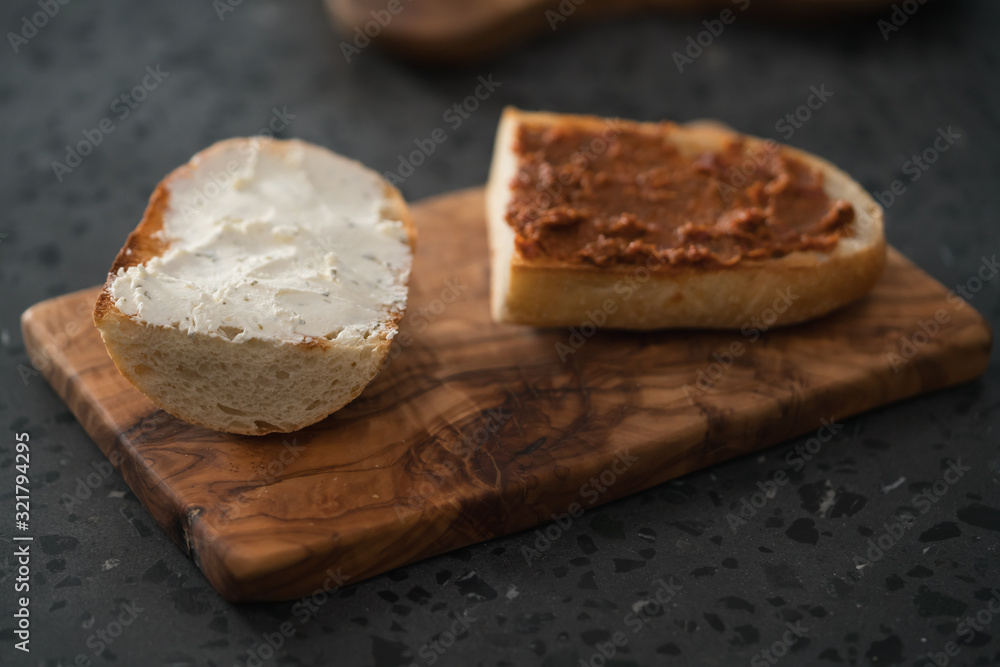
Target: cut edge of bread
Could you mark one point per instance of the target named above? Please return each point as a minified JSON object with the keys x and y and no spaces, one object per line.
{"x":253,"y":387}
{"x":752,"y":293}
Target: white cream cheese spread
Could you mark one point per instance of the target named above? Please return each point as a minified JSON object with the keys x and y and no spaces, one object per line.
{"x":272,"y":239}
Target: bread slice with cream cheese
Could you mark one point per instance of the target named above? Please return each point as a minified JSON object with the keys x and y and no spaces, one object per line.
{"x":262,"y":288}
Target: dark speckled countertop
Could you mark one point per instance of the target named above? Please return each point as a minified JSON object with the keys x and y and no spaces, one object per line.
{"x":804,"y":581}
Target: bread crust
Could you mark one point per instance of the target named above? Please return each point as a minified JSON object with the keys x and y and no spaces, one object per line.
{"x":129,"y":339}
{"x":805,"y":284}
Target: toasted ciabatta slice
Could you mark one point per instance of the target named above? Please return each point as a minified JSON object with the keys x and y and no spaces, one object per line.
{"x":555,"y":264}
{"x":263,"y":287}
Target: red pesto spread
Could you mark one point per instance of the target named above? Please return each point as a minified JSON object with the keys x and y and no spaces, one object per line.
{"x":631,"y":197}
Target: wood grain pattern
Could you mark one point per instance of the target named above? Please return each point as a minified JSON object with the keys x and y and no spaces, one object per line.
{"x":457,"y":31}
{"x":477,"y":430}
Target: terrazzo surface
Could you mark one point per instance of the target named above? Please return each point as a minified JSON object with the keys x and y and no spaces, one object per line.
{"x":880,"y":548}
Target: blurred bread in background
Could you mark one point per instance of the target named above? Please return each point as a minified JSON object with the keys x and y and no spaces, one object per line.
{"x":457,"y":31}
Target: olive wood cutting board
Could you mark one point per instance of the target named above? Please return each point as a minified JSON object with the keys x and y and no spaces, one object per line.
{"x":457,"y":31}
{"x":476,"y":429}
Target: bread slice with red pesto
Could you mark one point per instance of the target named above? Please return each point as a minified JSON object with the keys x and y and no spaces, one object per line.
{"x":545,"y":290}
{"x":262,"y":288}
